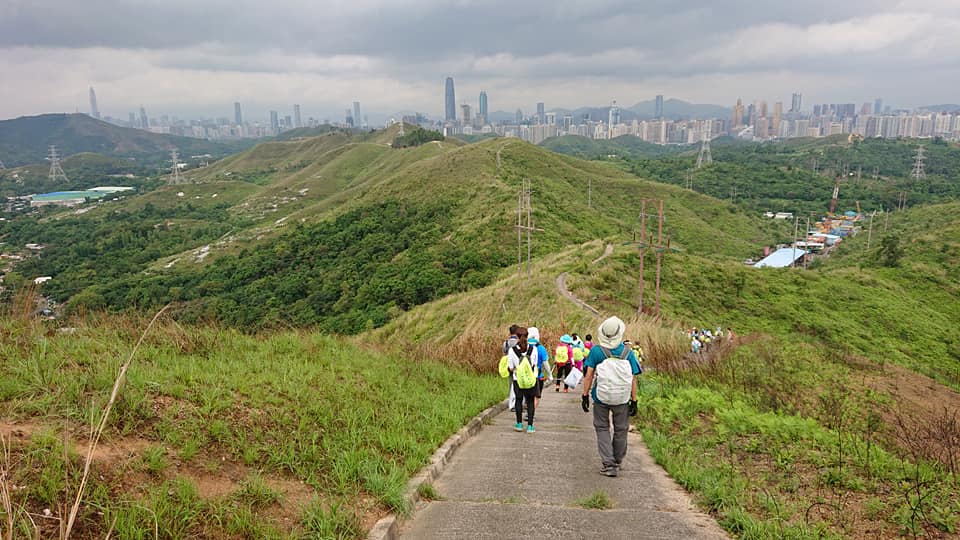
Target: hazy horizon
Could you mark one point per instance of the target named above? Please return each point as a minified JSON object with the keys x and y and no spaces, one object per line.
{"x":196,"y":58}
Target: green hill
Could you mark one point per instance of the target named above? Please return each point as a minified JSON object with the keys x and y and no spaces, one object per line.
{"x":624,"y":146}
{"x":25,"y":140}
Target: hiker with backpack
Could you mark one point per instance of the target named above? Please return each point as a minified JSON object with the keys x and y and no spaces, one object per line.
{"x":508,"y":344}
{"x":563,"y":361}
{"x":611,"y":382}
{"x":522,"y":363}
{"x":543,"y":362}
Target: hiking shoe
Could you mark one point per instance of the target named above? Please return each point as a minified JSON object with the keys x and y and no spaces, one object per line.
{"x":557,"y":389}
{"x":609,"y":471}
{"x":518,"y":427}
{"x":530,"y":429}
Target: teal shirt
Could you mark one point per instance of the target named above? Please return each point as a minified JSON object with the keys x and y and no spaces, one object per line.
{"x":595,"y":358}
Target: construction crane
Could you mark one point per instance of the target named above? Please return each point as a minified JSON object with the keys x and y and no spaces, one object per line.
{"x":836,"y":193}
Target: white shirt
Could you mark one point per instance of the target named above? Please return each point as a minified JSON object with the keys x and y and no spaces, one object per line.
{"x":513,"y":360}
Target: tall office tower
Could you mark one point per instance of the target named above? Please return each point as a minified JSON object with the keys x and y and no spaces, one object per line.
{"x":866,"y":109}
{"x":296,"y":116}
{"x":738,"y":113}
{"x":567,"y":122}
{"x":237,"y":114}
{"x":763,"y":109}
{"x":449,"y":101}
{"x":356,"y":114}
{"x":274,"y":122}
{"x":465,"y":114}
{"x":287,"y":122}
{"x":658,"y":107}
{"x":519,"y":117}
{"x":796,"y":102}
{"x":348,"y":118}
{"x":540,"y":113}
{"x":144,"y":122}
{"x":752,"y":115}
{"x":777,"y":117}
{"x":878,"y":106}
{"x":482,"y":112}
{"x":94,"y":110}
{"x":133,"y":120}
{"x":613,"y":117}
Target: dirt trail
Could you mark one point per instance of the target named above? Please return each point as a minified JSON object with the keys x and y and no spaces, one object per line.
{"x":562,"y":284}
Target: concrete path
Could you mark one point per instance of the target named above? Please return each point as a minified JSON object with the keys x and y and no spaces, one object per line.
{"x":503,"y":485}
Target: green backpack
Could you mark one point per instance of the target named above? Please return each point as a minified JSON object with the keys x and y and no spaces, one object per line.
{"x":526,"y":378}
{"x":504,"y":366}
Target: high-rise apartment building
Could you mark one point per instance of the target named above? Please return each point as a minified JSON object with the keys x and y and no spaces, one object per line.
{"x":878,"y":106}
{"x":465,"y":114}
{"x":613,"y":117}
{"x":449,"y":101}
{"x":296,"y":116}
{"x":796,"y":102}
{"x":356,"y":114}
{"x":144,"y":121}
{"x":519,"y":117}
{"x":738,"y":113}
{"x":348,"y":118}
{"x":275,"y":122}
{"x":658,"y":107}
{"x":777,"y":118}
{"x":237,"y":114}
{"x":482,"y":111}
{"x":94,"y":110}
{"x":540,"y":113}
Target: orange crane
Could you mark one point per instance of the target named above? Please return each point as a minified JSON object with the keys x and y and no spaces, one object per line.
{"x":836,"y":192}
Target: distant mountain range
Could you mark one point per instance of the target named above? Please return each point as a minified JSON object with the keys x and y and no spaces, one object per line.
{"x":25,"y":140}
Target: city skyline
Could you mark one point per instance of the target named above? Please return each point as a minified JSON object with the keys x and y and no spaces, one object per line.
{"x":326,"y":55}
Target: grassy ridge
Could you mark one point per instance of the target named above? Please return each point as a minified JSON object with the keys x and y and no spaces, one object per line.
{"x":350,"y":423}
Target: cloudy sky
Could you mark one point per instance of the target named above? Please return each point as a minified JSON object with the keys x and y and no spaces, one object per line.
{"x":196,"y":57}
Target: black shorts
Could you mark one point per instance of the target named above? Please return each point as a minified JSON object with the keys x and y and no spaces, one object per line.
{"x":538,"y":389}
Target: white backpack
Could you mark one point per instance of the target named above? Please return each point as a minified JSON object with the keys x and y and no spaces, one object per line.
{"x":614,"y":378}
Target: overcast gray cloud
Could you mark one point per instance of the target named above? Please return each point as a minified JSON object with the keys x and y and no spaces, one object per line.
{"x":198,"y":56}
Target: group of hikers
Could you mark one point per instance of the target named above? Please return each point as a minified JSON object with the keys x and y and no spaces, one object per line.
{"x":607,"y":368}
{"x":702,"y":338}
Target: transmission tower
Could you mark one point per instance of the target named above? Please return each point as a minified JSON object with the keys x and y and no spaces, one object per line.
{"x":704,"y":158}
{"x":56,"y":171}
{"x":918,"y":173}
{"x":175,"y":176}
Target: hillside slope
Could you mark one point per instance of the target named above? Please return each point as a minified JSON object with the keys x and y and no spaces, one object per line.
{"x":25,"y":140}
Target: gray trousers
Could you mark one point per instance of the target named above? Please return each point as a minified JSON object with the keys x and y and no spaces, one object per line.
{"x":611,"y":450}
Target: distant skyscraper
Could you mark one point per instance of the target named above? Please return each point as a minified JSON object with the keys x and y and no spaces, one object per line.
{"x":348,"y":118}
{"x":519,"y":116}
{"x":738,"y":112}
{"x":94,"y":110}
{"x":287,"y":122}
{"x":144,"y":121}
{"x":613,"y":118}
{"x":274,"y":122}
{"x":237,"y":114}
{"x":796,"y":102}
{"x":777,"y":117}
{"x":482,"y":111}
{"x":540,"y":113}
{"x":449,"y":101}
{"x":296,"y":116}
{"x":133,"y":120}
{"x":878,"y":106}
{"x":465,"y":114}
{"x":356,"y":114}
{"x":658,"y":107}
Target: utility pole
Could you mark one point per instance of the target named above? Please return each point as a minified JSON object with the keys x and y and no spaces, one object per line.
{"x":796,"y":225}
{"x":886,"y":215}
{"x":870,"y":229}
{"x":590,"y":193}
{"x":806,"y":235}
{"x":643,"y":243}
{"x":643,"y":246}
{"x":524,"y":207}
{"x":660,"y":247}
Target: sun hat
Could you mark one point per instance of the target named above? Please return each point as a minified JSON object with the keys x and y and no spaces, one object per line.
{"x":533,"y":335}
{"x":566,"y":339}
{"x":610,"y":333}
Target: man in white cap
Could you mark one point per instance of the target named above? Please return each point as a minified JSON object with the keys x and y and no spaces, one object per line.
{"x":610,"y":379}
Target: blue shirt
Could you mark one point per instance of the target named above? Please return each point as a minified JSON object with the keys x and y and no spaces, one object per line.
{"x":595,"y":358}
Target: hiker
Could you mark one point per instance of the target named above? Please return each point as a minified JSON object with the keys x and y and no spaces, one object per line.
{"x":611,"y":382}
{"x":579,"y":352}
{"x":695,"y":345}
{"x":508,"y":344}
{"x":637,"y":351}
{"x":563,"y":360}
{"x":543,"y":362}
{"x":522,"y":363}
{"x":588,"y":344}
